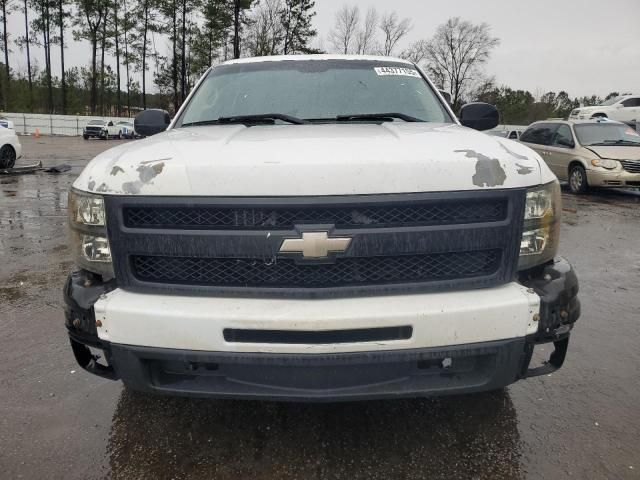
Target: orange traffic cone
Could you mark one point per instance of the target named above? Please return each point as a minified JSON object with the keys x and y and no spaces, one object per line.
{"x":37,"y":133}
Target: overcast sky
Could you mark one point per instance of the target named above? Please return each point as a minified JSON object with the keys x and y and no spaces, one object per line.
{"x":582,"y":46}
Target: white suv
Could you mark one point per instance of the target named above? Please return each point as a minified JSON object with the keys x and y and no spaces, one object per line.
{"x":625,"y":108}
{"x":317,"y":228}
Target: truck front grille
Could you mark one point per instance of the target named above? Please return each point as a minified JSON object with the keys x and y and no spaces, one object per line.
{"x":285,"y":217}
{"x":287,"y":273}
{"x":399,"y":243}
{"x":631,"y":166}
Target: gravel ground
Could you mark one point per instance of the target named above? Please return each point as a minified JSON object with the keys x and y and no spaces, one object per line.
{"x":56,"y":421}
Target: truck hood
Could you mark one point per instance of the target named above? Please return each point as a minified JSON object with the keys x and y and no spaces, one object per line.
{"x":616,"y":152}
{"x":310,"y":160}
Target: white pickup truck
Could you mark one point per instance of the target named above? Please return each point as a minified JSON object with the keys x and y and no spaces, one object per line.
{"x":101,"y":128}
{"x":317,"y":228}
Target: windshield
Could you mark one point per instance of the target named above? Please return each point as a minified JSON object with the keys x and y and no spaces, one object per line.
{"x":611,"y":101}
{"x":314,"y":90}
{"x":96,"y":122}
{"x":602,"y":133}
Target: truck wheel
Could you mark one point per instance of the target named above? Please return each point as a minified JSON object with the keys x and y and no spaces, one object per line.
{"x":120,"y":135}
{"x":86,"y":137}
{"x":7,"y":156}
{"x":578,"y":180}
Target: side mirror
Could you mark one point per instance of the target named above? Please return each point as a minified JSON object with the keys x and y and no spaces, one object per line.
{"x":446,"y":95}
{"x":150,"y":122}
{"x":479,"y":116}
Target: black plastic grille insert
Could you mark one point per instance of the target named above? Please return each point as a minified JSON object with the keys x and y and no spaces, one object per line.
{"x":235,"y":272}
{"x":631,"y":166}
{"x":286,"y":217}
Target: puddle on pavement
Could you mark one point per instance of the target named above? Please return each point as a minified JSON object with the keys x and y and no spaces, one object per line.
{"x":26,"y":285}
{"x":472,"y":436}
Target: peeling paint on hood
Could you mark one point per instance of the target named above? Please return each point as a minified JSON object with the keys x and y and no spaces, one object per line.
{"x":306,"y":160}
{"x":489,"y":172}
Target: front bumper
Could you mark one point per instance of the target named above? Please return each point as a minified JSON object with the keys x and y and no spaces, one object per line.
{"x":613,"y":178}
{"x":94,"y":134}
{"x":463,"y":341}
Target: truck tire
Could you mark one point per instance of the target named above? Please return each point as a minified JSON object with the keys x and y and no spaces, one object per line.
{"x":578,"y":180}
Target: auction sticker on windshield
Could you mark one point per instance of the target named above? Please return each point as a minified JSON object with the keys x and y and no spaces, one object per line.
{"x":406,"y":72}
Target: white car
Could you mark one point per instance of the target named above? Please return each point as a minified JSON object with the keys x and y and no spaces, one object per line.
{"x":10,"y":148}
{"x":6,"y":123}
{"x":317,"y":227}
{"x":625,"y":108}
{"x":103,"y":129}
{"x":127,"y":129}
{"x":510,"y":134}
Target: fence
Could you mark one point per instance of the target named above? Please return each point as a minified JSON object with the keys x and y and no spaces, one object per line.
{"x":26,"y":123}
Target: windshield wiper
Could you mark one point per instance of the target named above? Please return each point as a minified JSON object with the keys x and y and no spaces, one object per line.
{"x":385,"y":117}
{"x":248,"y":119}
{"x":609,"y":143}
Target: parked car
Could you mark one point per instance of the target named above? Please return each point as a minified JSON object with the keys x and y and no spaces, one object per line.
{"x":510,"y":134}
{"x":588,"y":153}
{"x":625,"y":108}
{"x":103,"y":129}
{"x":6,"y":123}
{"x":10,"y":148}
{"x":371,"y":246}
{"x":127,"y":129}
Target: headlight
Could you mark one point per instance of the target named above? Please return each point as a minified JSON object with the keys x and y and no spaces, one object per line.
{"x":608,"y":164}
{"x":88,"y":231}
{"x":86,"y":209}
{"x":541,"y":228}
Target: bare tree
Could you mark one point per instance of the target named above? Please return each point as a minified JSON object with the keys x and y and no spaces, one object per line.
{"x":416,"y":52}
{"x":344,"y":33}
{"x":393,"y":30}
{"x":456,"y":54}
{"x":366,"y":42}
{"x":265,"y":33}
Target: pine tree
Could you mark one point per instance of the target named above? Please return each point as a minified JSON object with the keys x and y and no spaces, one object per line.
{"x":239,"y":8}
{"x":296,"y":19}
{"x":88,"y":23}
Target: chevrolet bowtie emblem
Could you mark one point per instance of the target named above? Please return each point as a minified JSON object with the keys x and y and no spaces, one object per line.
{"x":315,"y":245}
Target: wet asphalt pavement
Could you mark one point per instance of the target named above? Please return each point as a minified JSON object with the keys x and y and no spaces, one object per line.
{"x":56,"y":421}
